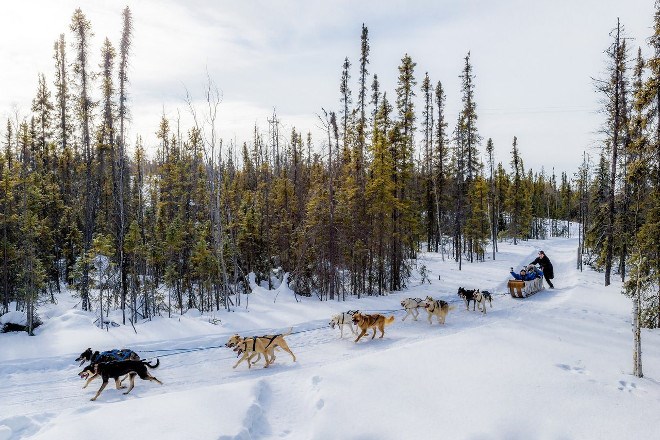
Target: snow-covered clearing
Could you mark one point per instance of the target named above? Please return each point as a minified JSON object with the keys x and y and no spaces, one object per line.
{"x":553,"y":366}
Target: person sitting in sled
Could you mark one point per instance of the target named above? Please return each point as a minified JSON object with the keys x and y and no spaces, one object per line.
{"x":524,"y":276}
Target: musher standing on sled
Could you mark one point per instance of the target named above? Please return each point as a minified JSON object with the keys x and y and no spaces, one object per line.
{"x":546,"y":266}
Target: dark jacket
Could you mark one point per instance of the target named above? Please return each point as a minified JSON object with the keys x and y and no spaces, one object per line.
{"x":546,"y":265}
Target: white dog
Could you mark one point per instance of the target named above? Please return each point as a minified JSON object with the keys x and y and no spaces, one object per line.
{"x":342,"y":319}
{"x":412,"y":306}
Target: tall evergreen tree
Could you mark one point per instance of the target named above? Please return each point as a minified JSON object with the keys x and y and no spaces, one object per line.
{"x":81,"y":27}
{"x":120,"y":175}
{"x":614,"y":90}
{"x":440,"y":161}
{"x":492,"y":195}
{"x":427,"y":164}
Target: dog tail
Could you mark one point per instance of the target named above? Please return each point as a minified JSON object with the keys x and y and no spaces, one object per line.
{"x":152,"y":366}
{"x":389,"y":320}
{"x":289,"y":332}
{"x":450,"y":308}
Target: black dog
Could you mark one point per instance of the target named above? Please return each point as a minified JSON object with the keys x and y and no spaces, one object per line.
{"x":94,"y":357}
{"x":121,"y":368}
{"x":467,"y":295}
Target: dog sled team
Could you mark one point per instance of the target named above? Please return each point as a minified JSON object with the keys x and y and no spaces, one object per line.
{"x":122,"y":364}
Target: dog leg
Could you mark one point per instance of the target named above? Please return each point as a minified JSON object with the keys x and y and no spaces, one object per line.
{"x":271,"y":360}
{"x":89,"y":379}
{"x":415,"y":314}
{"x":284,"y":346}
{"x":122,"y":380}
{"x":241,"y":360}
{"x":153,"y":379}
{"x":105,"y":382}
{"x":132,"y":380}
{"x":149,"y":377}
{"x":362,"y":333}
{"x":250,"y":361}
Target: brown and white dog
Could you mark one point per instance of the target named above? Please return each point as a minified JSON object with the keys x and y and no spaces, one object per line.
{"x":375,"y":321}
{"x":121,"y":368}
{"x":344,"y":319}
{"x":412,"y":306}
{"x":437,"y":308}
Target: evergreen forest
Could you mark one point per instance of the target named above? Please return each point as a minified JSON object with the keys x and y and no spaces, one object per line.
{"x":184,"y":224}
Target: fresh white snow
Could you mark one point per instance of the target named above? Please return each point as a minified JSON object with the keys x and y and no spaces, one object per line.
{"x":553,"y":366}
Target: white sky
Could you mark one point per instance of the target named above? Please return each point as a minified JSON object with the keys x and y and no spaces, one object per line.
{"x":534,"y":60}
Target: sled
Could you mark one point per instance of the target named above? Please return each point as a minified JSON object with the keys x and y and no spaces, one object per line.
{"x":523,"y":289}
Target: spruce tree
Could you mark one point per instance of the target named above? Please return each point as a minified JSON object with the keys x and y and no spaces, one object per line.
{"x":440,"y":162}
{"x":81,"y":28}
{"x":517,"y":199}
{"x":492,"y":194}
{"x":120,"y":175}
{"x":613,"y":89}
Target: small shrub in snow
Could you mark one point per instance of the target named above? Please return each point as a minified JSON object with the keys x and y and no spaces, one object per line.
{"x":17,"y":322}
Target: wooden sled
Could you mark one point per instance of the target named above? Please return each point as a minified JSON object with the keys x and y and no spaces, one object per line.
{"x":523,"y":289}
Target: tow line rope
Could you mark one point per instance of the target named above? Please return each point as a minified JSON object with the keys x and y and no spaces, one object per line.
{"x":190,"y":350}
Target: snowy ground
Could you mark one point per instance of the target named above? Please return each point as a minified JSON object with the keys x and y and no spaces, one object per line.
{"x":553,"y":366}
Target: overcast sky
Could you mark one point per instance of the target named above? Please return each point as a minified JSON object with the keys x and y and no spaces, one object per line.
{"x":534,"y":60}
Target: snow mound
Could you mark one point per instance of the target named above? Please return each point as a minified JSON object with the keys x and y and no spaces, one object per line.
{"x":18,"y":318}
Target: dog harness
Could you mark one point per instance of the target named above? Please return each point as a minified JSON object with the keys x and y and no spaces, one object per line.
{"x":272,"y":338}
{"x":343,"y":316}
